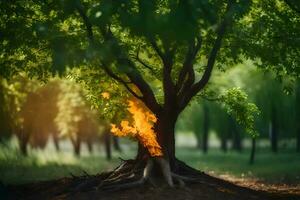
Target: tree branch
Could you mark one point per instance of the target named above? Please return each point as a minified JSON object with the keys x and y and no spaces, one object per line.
{"x":210,"y":63}
{"x":90,"y":36}
{"x":88,"y":25}
{"x":156,"y":48}
{"x":114,"y":76}
{"x":133,"y":74}
{"x":167,"y":60}
{"x":187,"y":68}
{"x":139,"y":60}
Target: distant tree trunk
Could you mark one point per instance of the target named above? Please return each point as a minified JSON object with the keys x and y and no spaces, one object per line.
{"x":76,"y":145}
{"x":5,"y":128}
{"x":298,"y":140}
{"x":107,"y":144}
{"x":298,"y":115}
{"x":89,"y":144}
{"x":23,"y":138}
{"x":198,"y":140}
{"x":116,"y":143}
{"x":252,"y":155}
{"x":206,"y":124}
{"x":237,"y":142}
{"x":224,"y":146}
{"x":56,"y":143}
{"x":23,"y":147}
{"x":273,"y":128}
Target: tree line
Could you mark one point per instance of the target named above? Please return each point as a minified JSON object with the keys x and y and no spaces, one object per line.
{"x":278,"y":119}
{"x":35,"y":112}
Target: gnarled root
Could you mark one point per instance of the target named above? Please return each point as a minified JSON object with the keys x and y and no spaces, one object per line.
{"x":134,"y":179}
{"x":132,"y":174}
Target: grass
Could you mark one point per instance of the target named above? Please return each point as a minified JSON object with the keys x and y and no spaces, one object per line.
{"x":282,"y":167}
{"x":49,"y":164}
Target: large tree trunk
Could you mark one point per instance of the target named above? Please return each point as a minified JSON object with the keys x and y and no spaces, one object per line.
{"x":164,"y":129}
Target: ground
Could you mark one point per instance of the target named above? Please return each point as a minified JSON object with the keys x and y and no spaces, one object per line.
{"x":40,"y":176}
{"x":210,"y":188}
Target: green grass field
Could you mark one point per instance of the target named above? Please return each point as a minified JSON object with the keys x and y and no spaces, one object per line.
{"x":283,"y":167}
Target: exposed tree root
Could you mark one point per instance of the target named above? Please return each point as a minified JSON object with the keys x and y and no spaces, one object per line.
{"x":143,"y":176}
{"x":155,"y":172}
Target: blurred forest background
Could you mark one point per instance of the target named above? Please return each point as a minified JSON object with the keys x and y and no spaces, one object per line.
{"x":52,"y":130}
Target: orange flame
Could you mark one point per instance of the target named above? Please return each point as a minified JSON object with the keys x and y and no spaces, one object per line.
{"x":141,"y":128}
{"x":105,"y":95}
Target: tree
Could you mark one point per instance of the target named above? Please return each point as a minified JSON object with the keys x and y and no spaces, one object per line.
{"x":298,"y":115}
{"x":5,"y":128}
{"x":196,"y":118}
{"x":74,"y":117}
{"x":162,"y":52}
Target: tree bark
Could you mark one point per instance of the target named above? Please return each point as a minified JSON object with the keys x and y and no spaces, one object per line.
{"x":164,"y":129}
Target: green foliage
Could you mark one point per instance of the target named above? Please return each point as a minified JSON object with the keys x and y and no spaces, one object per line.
{"x":136,"y":40}
{"x":15,"y":92}
{"x":236,"y":103}
{"x":270,"y":36}
{"x":96,"y":84}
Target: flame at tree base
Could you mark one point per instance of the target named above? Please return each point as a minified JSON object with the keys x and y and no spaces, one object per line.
{"x":141,"y":128}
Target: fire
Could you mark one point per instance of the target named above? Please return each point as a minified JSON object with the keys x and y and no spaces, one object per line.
{"x":105,"y":95}
{"x":141,"y":128}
